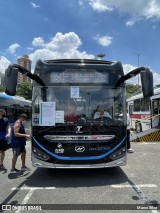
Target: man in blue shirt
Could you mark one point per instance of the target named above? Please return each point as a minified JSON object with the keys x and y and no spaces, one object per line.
{"x":5,"y":131}
{"x":18,"y":143}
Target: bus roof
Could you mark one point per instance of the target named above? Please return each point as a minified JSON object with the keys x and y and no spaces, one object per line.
{"x":83,"y":61}
{"x":140,"y":95}
{"x":41,"y":63}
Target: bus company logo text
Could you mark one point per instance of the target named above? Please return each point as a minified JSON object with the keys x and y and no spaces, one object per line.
{"x":105,"y":148}
{"x":79,"y":148}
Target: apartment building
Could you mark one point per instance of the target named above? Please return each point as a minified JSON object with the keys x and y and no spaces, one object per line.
{"x":26,"y":63}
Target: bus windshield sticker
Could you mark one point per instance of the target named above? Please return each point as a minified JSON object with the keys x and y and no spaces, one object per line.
{"x":35,"y":119}
{"x":74,"y":92}
{"x":47,"y":114}
{"x":59,"y":116}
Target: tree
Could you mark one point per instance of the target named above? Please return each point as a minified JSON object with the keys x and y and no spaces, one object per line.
{"x":1,"y":88}
{"x":132,"y":89}
{"x":25,"y":90}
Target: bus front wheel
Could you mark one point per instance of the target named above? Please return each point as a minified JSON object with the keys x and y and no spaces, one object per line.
{"x":138,"y":127}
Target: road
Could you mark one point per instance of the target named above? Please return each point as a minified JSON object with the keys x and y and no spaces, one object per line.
{"x":131,"y":186}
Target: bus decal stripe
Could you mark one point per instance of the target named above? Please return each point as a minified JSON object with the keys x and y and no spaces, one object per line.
{"x":79,"y":158}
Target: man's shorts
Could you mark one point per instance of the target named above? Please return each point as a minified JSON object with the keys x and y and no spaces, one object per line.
{"x":18,"y":150}
{"x":3,"y":144}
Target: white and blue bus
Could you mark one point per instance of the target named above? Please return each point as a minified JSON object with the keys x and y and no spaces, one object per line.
{"x":14,"y":106}
{"x":65,"y":96}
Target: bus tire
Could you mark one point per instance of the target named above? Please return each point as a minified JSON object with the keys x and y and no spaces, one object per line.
{"x":138,"y":127}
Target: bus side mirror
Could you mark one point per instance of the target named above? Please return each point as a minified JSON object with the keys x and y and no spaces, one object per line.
{"x":10,"y":80}
{"x":147,"y":82}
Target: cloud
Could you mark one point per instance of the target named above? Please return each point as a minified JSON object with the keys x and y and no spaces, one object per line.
{"x":63,"y":42}
{"x":12,"y":48}
{"x":100,"y":5}
{"x":137,"y":10}
{"x":38,"y":42}
{"x":104,"y":40}
{"x":60,"y":46}
{"x":34,"y":5}
{"x":4,"y":62}
{"x":156,"y":78}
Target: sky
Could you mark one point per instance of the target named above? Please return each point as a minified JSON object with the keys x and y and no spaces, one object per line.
{"x":123,"y":30}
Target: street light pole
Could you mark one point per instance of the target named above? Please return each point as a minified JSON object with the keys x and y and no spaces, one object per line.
{"x":138,"y":55}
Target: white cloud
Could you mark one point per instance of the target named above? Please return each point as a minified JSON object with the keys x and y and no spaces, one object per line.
{"x":137,"y":10}
{"x":63,"y":42}
{"x":34,"y":5}
{"x":60,"y":46}
{"x":104,"y":40}
{"x":38,"y":42}
{"x":12,"y":48}
{"x":100,"y":5}
{"x":4,"y":62}
{"x":156,"y":78}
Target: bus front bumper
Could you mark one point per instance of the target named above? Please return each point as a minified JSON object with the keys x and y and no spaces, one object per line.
{"x":39,"y":163}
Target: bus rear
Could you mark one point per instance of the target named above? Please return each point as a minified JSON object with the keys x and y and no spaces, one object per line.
{"x":67,"y":127}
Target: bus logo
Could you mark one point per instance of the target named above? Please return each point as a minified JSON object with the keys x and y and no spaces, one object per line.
{"x":79,"y":148}
{"x":59,"y":146}
{"x":78,"y":129}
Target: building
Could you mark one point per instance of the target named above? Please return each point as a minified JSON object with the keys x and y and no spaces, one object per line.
{"x":26,"y":63}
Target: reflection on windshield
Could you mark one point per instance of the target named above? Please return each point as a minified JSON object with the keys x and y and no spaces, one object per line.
{"x":82,"y":103}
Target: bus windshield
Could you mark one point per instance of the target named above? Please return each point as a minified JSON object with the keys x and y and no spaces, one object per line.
{"x":80,"y":103}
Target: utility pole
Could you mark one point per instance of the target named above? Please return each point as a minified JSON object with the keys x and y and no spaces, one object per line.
{"x":138,"y":55}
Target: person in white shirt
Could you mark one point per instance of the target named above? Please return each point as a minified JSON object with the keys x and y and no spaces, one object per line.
{"x":101,"y":113}
{"x":129,"y":150}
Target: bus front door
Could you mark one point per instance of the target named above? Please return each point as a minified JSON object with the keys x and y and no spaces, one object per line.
{"x":156,"y":112}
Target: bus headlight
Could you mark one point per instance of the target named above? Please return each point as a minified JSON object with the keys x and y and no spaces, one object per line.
{"x":119,"y":153}
{"x":39,"y":154}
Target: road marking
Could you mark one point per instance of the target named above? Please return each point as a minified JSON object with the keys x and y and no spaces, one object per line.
{"x":29,"y":194}
{"x":131,"y":186}
{"x":31,"y":188}
{"x":139,"y":192}
{"x":25,"y":200}
{"x":148,"y":143}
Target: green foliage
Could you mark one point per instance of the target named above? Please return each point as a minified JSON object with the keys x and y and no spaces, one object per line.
{"x":1,"y":88}
{"x":132,"y":89}
{"x":25,"y":90}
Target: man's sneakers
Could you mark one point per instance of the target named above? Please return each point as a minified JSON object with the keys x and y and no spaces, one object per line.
{"x":2,"y":167}
{"x":130,"y":150}
{"x":25,"y":168}
{"x":15,"y":171}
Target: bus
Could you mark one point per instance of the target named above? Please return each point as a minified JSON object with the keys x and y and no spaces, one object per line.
{"x":144,"y":112}
{"x":66,"y":95}
{"x":14,"y":106}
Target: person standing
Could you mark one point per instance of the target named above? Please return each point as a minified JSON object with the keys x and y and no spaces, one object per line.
{"x":18,"y":143}
{"x":129,"y":150}
{"x":5,"y":131}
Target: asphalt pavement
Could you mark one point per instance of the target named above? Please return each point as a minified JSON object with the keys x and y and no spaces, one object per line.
{"x":135,"y":186}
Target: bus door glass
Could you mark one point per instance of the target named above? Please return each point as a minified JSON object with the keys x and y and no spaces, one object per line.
{"x":155,"y":112}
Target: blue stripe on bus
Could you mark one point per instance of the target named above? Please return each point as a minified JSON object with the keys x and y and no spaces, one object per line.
{"x":79,"y":158}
